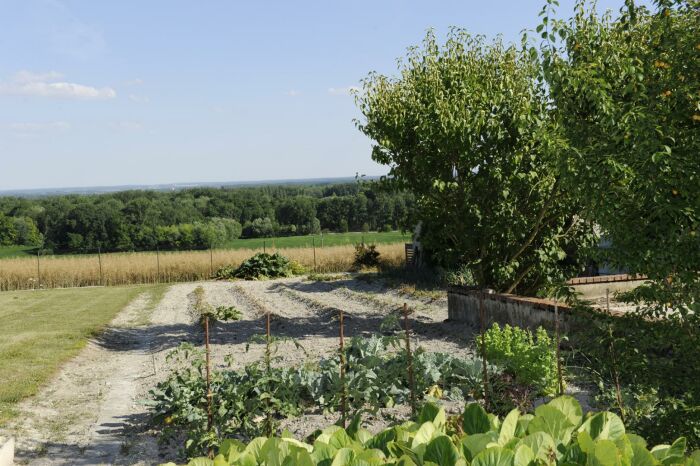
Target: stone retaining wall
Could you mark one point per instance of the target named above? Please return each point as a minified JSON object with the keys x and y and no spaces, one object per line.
{"x":463,"y":306}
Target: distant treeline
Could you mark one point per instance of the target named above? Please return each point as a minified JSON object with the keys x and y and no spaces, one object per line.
{"x":198,"y":218}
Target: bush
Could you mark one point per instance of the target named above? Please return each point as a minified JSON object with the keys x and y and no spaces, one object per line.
{"x":259,"y":267}
{"x":531,"y":359}
{"x":366,"y":255}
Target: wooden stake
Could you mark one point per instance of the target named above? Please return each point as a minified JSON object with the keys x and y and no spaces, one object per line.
{"x":409,"y":357}
{"x":99,"y":258}
{"x":210,"y":417}
{"x":38,"y":269}
{"x":313,"y":242}
{"x":343,"y":393}
{"x":157,"y":265}
{"x":483,"y":348}
{"x":556,"y":331}
{"x":211,"y":261}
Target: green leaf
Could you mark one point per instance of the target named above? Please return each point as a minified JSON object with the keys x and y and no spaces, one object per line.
{"x":508,"y":427}
{"x":641,"y":456}
{"x":475,"y":420}
{"x":542,"y":445}
{"x":442,"y":451}
{"x":570,"y":407}
{"x":604,"y":426}
{"x":494,"y":456}
{"x":523,"y":456}
{"x":424,"y":435}
{"x":553,"y":422}
{"x":474,"y":444}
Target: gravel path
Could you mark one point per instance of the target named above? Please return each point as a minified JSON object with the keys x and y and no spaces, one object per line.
{"x":91,"y":413}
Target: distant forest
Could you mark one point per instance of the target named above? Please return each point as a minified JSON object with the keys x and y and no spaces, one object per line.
{"x":198,"y":218}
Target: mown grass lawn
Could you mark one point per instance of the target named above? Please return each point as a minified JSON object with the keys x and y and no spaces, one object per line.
{"x":40,"y":330}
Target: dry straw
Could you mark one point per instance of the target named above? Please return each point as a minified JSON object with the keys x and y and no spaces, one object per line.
{"x":149,"y":267}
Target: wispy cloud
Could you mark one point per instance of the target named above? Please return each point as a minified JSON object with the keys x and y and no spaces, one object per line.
{"x":133,"y":82}
{"x":27,"y":83}
{"x":342,"y":90}
{"x":293,"y":93}
{"x":38,"y":127}
{"x":127,"y":125}
{"x":139,"y":99}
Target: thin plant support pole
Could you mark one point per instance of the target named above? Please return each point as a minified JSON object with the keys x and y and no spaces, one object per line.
{"x":483,"y":348}
{"x":210,"y":418}
{"x":409,"y":358}
{"x":211,"y":261}
{"x":157,"y":264}
{"x":99,"y":259}
{"x":616,"y":376}
{"x":313,"y":243}
{"x":268,"y":367}
{"x":558,"y":339}
{"x":343,"y":392}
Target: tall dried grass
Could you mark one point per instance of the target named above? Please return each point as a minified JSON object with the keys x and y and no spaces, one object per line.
{"x":164,"y":267}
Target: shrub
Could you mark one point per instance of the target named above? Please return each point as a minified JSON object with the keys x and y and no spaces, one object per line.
{"x":259,"y":267}
{"x":366,"y":255}
{"x":531,"y":358}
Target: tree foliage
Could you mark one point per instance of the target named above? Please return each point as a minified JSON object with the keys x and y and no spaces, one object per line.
{"x":627,"y":92}
{"x":467,"y":128}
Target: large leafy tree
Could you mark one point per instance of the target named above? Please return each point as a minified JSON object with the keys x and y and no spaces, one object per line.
{"x":467,"y":128}
{"x":627,"y":91}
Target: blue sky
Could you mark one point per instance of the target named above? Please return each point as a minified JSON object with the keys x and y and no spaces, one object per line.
{"x":158,"y":91}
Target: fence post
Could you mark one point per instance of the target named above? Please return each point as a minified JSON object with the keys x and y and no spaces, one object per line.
{"x":313,"y":243}
{"x":211,"y":262}
{"x":38,"y":268}
{"x":157,"y":264}
{"x":99,"y":259}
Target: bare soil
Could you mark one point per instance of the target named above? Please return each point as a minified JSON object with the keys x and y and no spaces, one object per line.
{"x":92,"y":412}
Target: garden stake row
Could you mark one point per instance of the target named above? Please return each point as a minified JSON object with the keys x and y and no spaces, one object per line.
{"x":409,"y":356}
{"x":343,"y":392}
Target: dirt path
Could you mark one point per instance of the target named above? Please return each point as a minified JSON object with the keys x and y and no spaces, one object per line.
{"x":92,"y":412}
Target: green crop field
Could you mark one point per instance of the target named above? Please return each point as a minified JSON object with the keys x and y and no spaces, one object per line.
{"x":329,"y":239}
{"x":43,"y":329}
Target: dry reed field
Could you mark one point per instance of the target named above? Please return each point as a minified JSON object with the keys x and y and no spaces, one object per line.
{"x":163,"y":267}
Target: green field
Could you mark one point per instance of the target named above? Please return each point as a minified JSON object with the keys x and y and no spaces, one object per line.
{"x":43,"y":329}
{"x":329,"y":239}
{"x":15,"y":251}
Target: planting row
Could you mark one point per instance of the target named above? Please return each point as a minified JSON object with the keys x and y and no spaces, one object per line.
{"x":556,"y":433}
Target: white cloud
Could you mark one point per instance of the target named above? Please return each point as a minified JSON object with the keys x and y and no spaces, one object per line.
{"x":24,"y":76}
{"x":127,"y":125}
{"x":342,"y":90}
{"x":134,"y":82}
{"x":293,"y":93}
{"x":139,"y":99}
{"x":39,"y":127}
{"x":27,"y":83}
